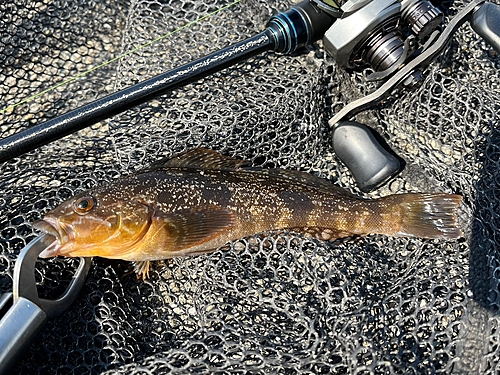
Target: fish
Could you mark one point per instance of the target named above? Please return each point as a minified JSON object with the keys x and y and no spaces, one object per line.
{"x":198,"y":201}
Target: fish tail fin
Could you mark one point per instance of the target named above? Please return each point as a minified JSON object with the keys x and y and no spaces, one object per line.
{"x":428,"y":215}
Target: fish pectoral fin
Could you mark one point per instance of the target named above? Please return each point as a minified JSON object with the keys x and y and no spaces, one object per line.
{"x":199,"y":158}
{"x":141,"y":269}
{"x":188,"y":228}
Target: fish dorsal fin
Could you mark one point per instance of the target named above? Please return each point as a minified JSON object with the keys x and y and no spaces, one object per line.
{"x":190,"y":228}
{"x":200,"y":158}
{"x":308,"y":179}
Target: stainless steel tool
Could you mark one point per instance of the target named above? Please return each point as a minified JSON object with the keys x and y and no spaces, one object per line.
{"x":23,"y":313}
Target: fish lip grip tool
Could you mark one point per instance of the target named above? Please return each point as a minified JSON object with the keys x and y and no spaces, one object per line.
{"x":355,"y":144}
{"x":22,"y":311}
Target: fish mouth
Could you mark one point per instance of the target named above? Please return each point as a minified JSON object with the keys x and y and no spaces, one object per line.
{"x":61,"y":232}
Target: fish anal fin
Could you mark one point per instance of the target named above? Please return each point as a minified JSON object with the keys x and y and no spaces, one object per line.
{"x":187,"y":228}
{"x":200,"y":158}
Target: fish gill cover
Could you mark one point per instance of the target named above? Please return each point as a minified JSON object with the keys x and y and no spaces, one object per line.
{"x":282,"y":304}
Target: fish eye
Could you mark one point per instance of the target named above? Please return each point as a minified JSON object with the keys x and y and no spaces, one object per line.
{"x":83,"y":205}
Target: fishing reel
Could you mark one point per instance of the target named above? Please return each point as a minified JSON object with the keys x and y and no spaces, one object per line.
{"x":398,"y":39}
{"x":382,"y":34}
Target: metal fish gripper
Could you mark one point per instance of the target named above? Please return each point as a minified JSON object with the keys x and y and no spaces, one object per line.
{"x":22,"y":312}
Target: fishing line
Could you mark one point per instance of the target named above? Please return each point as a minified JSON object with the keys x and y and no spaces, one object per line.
{"x":117,"y":58}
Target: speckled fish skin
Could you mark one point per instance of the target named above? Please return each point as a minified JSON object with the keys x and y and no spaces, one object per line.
{"x":198,"y":201}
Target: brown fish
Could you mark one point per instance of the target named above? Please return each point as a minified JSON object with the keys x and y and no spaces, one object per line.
{"x":199,"y":200}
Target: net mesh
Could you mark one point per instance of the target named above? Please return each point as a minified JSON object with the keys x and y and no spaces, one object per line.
{"x":267,"y":304}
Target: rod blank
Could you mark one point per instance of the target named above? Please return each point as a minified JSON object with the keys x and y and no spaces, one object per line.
{"x":89,"y":114}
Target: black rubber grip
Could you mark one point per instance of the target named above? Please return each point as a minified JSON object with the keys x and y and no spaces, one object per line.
{"x":370,"y":164}
{"x":486,"y":22}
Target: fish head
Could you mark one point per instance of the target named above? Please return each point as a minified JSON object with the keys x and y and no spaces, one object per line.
{"x":96,"y":223}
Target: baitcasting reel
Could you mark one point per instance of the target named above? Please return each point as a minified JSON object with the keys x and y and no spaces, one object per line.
{"x":398,"y":39}
{"x":381,"y":33}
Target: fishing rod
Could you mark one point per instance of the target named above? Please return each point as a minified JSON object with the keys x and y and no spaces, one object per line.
{"x":300,"y":25}
{"x":397,"y":38}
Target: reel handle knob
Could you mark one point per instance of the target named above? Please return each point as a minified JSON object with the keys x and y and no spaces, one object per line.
{"x":486,"y":22}
{"x":370,"y":164}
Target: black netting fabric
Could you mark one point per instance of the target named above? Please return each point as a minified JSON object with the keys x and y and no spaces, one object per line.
{"x":271,"y":304}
